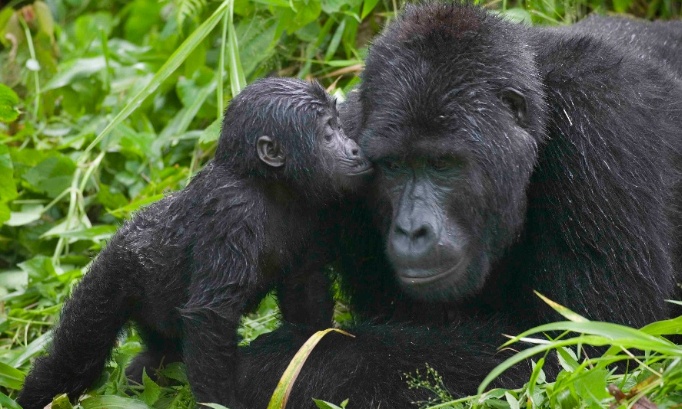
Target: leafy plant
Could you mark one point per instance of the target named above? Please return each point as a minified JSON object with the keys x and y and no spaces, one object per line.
{"x":107,"y":105}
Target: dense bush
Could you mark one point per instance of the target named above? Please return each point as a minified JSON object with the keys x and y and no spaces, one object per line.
{"x":106,"y":105}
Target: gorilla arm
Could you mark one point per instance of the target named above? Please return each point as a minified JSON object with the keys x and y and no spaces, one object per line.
{"x":370,"y":368}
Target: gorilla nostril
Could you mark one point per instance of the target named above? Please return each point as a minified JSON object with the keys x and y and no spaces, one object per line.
{"x":421,"y":233}
{"x":400,"y":231}
{"x":412,"y":242}
{"x":355,"y":151}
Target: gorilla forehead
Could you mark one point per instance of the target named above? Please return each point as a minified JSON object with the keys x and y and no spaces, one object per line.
{"x":437,"y":73}
{"x":459,"y":40}
{"x":424,"y":111}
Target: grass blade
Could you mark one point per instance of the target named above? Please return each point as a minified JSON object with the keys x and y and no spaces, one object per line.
{"x":177,"y":58}
{"x":286,"y":382}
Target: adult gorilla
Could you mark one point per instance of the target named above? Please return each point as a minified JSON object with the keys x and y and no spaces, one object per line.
{"x":509,"y":159}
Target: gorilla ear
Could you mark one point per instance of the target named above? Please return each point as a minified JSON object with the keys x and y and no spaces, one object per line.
{"x":270,"y":152}
{"x":516,"y":103}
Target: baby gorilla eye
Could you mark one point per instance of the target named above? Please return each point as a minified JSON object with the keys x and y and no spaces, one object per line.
{"x":329,"y":130}
{"x":392,"y":165}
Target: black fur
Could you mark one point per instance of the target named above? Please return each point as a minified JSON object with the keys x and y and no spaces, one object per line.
{"x":187,"y":267}
{"x":508,"y":159}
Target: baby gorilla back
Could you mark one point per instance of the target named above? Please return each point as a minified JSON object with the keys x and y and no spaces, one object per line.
{"x":186,"y":268}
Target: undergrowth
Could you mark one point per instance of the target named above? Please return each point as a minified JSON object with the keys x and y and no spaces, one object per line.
{"x":107,"y":105}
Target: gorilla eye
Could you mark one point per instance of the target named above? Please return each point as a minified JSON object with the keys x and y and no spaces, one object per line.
{"x":516,"y":102}
{"x":440,"y":164}
{"x":445,"y":163}
{"x":391,"y":164}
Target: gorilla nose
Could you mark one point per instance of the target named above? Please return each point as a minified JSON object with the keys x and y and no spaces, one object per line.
{"x":414,"y":241}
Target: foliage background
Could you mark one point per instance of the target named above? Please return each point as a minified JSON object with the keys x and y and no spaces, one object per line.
{"x":106,"y":105}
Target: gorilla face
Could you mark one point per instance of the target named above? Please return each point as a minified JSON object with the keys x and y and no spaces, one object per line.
{"x":454,"y":138}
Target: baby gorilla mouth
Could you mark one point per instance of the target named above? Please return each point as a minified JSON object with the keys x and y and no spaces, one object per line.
{"x":360,"y":168}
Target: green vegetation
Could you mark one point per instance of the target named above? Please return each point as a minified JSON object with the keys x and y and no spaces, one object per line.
{"x":106,"y":105}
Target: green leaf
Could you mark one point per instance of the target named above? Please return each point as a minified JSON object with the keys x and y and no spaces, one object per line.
{"x":62,"y":229}
{"x":591,"y":385}
{"x":513,"y":402}
{"x":133,"y":206}
{"x":112,"y":402}
{"x":173,"y":62}
{"x":565,"y":312}
{"x":142,"y":16}
{"x":333,"y":6}
{"x":8,"y":403}
{"x":4,"y":213}
{"x":603,"y":334}
{"x":236,"y":70}
{"x":38,"y":267}
{"x":61,"y":402}
{"x":90,"y":24}
{"x":52,"y":176}
{"x":325,"y":405}
{"x":666,"y":327}
{"x":621,"y":6}
{"x":10,"y":377}
{"x":567,"y":359}
{"x":536,"y":377}
{"x":195,"y":97}
{"x":211,"y":133}
{"x":257,"y":42}
{"x":274,"y":3}
{"x":305,"y":11}
{"x":8,"y":189}
{"x":8,"y":104}
{"x":28,"y":214}
{"x":281,"y":394}
{"x":151,"y":391}
{"x":517,"y":15}
{"x":75,"y":69}
{"x":34,"y":348}
{"x":13,"y":279}
{"x":336,"y":40}
{"x":189,"y":9}
{"x":176,"y":371}
{"x":183,"y":399}
{"x":44,"y":17}
{"x":609,"y":332}
{"x":214,"y":405}
{"x":109,"y":199}
{"x":8,"y":24}
{"x":95,"y":233}
{"x":367,"y":7}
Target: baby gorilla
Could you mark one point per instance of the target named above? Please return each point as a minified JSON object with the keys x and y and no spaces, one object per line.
{"x":187,"y":267}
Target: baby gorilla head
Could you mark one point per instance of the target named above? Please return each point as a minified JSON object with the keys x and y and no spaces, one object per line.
{"x":288,"y":130}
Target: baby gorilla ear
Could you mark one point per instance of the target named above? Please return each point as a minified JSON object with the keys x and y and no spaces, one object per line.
{"x":516,"y":102}
{"x":270,"y":152}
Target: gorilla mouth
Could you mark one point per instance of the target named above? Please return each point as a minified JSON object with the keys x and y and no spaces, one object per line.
{"x":361,"y":169}
{"x":420,"y":276}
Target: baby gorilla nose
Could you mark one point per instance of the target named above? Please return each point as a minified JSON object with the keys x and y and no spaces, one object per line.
{"x":352,"y":149}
